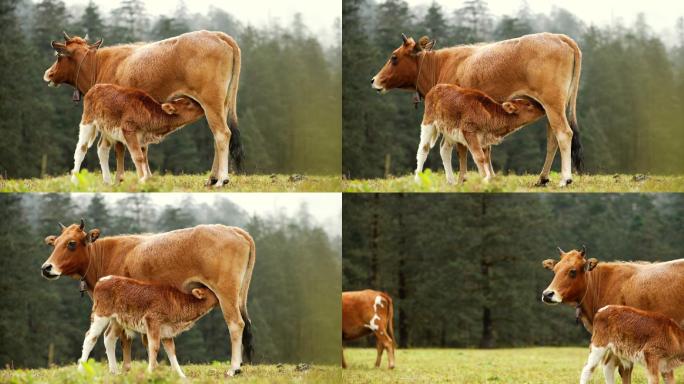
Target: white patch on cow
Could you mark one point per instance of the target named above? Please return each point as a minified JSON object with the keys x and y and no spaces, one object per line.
{"x":174,"y":364}
{"x":108,"y":277}
{"x":595,"y":357}
{"x":378,"y":302}
{"x":373,"y":327}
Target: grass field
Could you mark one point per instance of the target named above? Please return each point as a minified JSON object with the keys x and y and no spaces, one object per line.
{"x":520,"y":365}
{"x":92,"y":182}
{"x":214,"y":373}
{"x":436,"y":182}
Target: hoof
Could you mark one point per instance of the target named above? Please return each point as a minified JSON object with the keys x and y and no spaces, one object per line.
{"x":74,"y":180}
{"x":542,"y":182}
{"x":565,"y":183}
{"x":220,"y":184}
{"x":212,"y":180}
{"x":233,"y":372}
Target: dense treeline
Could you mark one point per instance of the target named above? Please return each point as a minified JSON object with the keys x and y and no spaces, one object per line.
{"x":466,"y":271}
{"x":289,"y":102}
{"x":630,"y":103}
{"x":293,"y":299}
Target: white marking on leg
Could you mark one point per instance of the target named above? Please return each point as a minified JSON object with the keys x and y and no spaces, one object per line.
{"x":103,"y":155}
{"x":427,"y":131}
{"x":174,"y":364}
{"x":595,"y":357}
{"x":609,"y":370}
{"x":86,"y":136}
{"x":445,"y":151}
{"x":96,"y":327}
{"x":110,"y":348}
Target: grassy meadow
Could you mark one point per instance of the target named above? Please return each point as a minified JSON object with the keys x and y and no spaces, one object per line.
{"x":96,"y":372}
{"x":543,"y":365}
{"x":436,"y":182}
{"x":92,"y":182}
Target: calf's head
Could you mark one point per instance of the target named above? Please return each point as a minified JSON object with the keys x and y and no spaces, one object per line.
{"x":204,"y":293}
{"x":524,"y":109}
{"x":183,"y":107}
{"x":401,"y":69}
{"x":69,"y":54}
{"x":569,"y":283}
{"x":69,"y":255}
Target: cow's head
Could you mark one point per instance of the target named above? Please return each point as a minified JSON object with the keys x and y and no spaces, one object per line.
{"x":69,"y":54}
{"x":401,"y":70}
{"x":569,"y":283}
{"x":69,"y":256}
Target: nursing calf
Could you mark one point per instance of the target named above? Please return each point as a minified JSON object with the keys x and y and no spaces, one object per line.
{"x":161,"y":312}
{"x":132,"y":117}
{"x":369,"y":312}
{"x":472,"y":119}
{"x":633,"y":335}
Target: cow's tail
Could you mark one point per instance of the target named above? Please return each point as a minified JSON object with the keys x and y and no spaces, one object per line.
{"x":576,"y":146}
{"x":244,"y":289}
{"x":390,"y":318}
{"x":235,"y":146}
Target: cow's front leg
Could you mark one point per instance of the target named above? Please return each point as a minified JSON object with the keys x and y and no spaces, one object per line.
{"x":96,"y":327}
{"x":445,"y":151}
{"x":427,"y":132}
{"x":86,"y":136}
{"x":103,"y":154}
{"x":344,"y":362}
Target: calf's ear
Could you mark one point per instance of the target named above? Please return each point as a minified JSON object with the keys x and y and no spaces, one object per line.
{"x":549,"y":264}
{"x":169,"y":109}
{"x":92,"y":235}
{"x":591,"y":264}
{"x":509,"y":107}
{"x":50,"y":240}
{"x":198,"y":293}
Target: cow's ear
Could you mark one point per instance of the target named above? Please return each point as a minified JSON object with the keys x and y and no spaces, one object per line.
{"x":425,"y":43}
{"x":50,"y":240}
{"x":591,"y":264}
{"x":509,"y":107}
{"x":549,"y":264}
{"x":92,"y":235}
{"x":95,"y":45}
{"x":583,"y":251}
{"x":169,"y":109}
{"x":60,"y":48}
{"x":198,"y":293}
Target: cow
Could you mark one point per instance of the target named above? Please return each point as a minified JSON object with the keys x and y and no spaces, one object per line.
{"x":218,"y":257}
{"x":202,"y":65}
{"x":633,"y":335}
{"x":159,"y":311}
{"x":469,"y":117}
{"x":129,"y":116}
{"x":542,"y":66}
{"x":589,"y":285}
{"x":369,"y":312}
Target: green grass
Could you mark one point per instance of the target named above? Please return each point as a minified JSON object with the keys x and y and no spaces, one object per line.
{"x":436,"y":182}
{"x":96,"y":372}
{"x":519,"y":365}
{"x":92,"y":182}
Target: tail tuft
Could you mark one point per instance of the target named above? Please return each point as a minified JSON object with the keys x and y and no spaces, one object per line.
{"x":247,"y":339}
{"x":235,"y":146}
{"x":576,"y":147}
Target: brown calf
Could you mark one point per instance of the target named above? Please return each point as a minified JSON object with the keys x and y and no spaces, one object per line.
{"x":369,"y":312}
{"x":469,"y":117}
{"x":159,"y":311}
{"x":130,"y":116}
{"x":633,"y":335}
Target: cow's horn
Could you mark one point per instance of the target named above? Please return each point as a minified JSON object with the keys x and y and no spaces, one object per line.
{"x":82,"y":224}
{"x":86,"y":37}
{"x":560,"y":250}
{"x":61,"y":226}
{"x":66,"y":37}
{"x":404,"y":38}
{"x":584,"y":250}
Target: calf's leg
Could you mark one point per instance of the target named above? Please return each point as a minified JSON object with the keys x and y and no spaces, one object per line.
{"x":427,"y":133}
{"x":445,"y":151}
{"x":488,"y":153}
{"x":153,"y":340}
{"x":86,"y":136}
{"x":120,"y":155}
{"x":138,"y":155}
{"x":595,"y":356}
{"x":126,"y":343}
{"x":103,"y":154}
{"x":668,"y":377}
{"x":462,"y":162}
{"x":478,"y":155}
{"x":652,"y":369}
{"x":625,"y":371}
{"x":96,"y":327}
{"x":147,"y":160}
{"x":170,"y":348}
{"x":344,"y":363}
{"x":110,"y":345}
{"x":609,"y":369}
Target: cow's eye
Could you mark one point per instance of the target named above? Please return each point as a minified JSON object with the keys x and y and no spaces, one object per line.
{"x":573,"y":273}
{"x":71,"y":245}
{"x":394,"y":59}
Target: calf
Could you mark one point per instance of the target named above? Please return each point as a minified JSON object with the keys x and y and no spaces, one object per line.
{"x":473,"y":119}
{"x":633,"y":335}
{"x":369,"y":312}
{"x":129,"y":116}
{"x":159,"y":311}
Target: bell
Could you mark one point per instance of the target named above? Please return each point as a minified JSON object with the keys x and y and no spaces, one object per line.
{"x":76,"y":97}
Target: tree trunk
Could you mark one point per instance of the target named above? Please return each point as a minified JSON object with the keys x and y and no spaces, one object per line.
{"x":375,"y":234}
{"x":403,"y":320}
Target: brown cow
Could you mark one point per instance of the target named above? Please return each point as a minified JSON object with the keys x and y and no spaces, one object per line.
{"x":130,"y":116}
{"x":589,"y":285}
{"x":215,"y":256}
{"x":159,"y":311}
{"x":202,"y":65}
{"x":543,"y":66}
{"x":369,"y":312}
{"x":634,"y":335}
{"x":469,"y":117}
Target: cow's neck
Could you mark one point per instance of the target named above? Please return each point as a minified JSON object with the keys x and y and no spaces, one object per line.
{"x":428,"y":72}
{"x":96,"y":266}
{"x":591,"y":302}
{"x":89,"y":68}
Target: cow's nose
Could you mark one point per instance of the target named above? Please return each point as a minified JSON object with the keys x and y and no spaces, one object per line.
{"x":547,"y":296}
{"x":372,"y":80}
{"x":47,"y":269}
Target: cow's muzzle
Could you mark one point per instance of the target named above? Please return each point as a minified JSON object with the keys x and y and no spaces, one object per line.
{"x":376,"y":85}
{"x":550,"y":297}
{"x":48,"y":272}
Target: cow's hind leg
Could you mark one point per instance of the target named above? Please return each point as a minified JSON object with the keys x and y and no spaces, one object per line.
{"x":427,"y":133}
{"x":384,"y":342}
{"x":561,"y":129}
{"x":235,"y":323}
{"x":344,"y":362}
{"x":97,"y":326}
{"x":595,"y":357}
{"x":380,"y":348}
{"x":170,"y":348}
{"x":216,"y":117}
{"x":445,"y":151}
{"x":86,"y":136}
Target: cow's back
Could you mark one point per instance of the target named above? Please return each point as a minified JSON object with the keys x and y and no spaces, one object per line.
{"x":657,"y":287}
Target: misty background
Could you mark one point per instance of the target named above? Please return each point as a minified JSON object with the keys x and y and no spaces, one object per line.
{"x":289,"y":99}
{"x":630,"y":104}
{"x":294,"y":297}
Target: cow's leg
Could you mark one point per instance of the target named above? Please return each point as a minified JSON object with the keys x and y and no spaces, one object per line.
{"x":488,"y":153}
{"x":86,"y":136}
{"x":551,"y":148}
{"x":153,"y":341}
{"x":170,"y":348}
{"x":668,"y":377}
{"x":233,"y":319}
{"x":126,"y":343}
{"x":103,"y":154}
{"x":427,"y":132}
{"x":147,"y":159}
{"x":96,"y":327}
{"x":380,"y":348}
{"x":462,"y":162}
{"x":652,"y":369}
{"x":344,"y":362}
{"x":595,"y":356}
{"x":216,"y":117}
{"x":384,"y":342}
{"x":120,"y":151}
{"x":561,"y":129}
{"x":137,"y":155}
{"x":110,"y":345}
{"x":625,"y":371}
{"x":445,"y":151}
{"x":478,"y":155}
